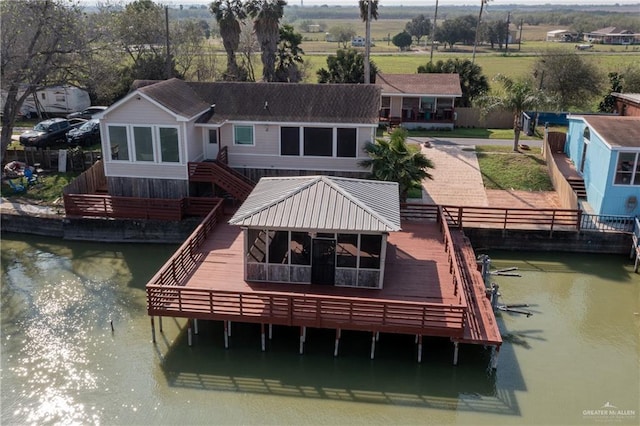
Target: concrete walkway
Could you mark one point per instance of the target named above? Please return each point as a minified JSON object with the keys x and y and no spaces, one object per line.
{"x":456,"y":177}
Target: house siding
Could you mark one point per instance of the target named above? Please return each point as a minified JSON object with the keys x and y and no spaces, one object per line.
{"x":139,"y":111}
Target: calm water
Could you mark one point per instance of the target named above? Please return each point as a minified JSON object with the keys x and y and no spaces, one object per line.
{"x":61,"y":363}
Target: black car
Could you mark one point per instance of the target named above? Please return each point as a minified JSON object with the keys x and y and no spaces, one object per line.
{"x":86,"y":135}
{"x":46,"y":133}
{"x":88,"y":113}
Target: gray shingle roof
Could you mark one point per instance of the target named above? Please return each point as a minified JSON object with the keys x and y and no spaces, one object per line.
{"x":321,"y":203}
{"x":615,"y":130}
{"x":435,"y":84}
{"x":266,"y":102}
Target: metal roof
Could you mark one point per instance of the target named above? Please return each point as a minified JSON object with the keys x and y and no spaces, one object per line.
{"x":321,"y":203}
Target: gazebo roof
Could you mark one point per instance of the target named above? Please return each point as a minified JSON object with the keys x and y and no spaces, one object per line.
{"x":321,"y":203}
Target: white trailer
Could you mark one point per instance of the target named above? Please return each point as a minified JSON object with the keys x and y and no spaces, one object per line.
{"x":56,"y":100}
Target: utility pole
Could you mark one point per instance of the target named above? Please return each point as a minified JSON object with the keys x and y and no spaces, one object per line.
{"x":433,"y":31}
{"x":520,"y":36}
{"x":367,"y":46}
{"x":168,"y":58}
{"x":506,"y":43}
{"x":475,"y":41}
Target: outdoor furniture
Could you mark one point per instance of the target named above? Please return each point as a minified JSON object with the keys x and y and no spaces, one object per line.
{"x":31,"y":177}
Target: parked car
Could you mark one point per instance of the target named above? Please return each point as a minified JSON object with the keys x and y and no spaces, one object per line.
{"x":49,"y":132}
{"x":85,"y":135}
{"x":88,"y":113}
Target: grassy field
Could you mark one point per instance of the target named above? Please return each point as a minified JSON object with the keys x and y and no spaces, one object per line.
{"x":503,"y":169}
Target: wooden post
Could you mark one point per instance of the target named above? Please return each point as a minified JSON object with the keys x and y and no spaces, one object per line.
{"x":335,"y":347}
{"x":373,"y":344}
{"x":262,"y":336}
{"x":304,"y":334}
{"x":189,"y":333}
{"x":420,"y":348}
{"x":455,"y":353}
{"x":229,"y":329}
{"x":377,"y":336}
{"x":226,"y":334}
{"x":494,"y":357}
{"x":195,"y":326}
{"x":301,"y":340}
{"x":153,"y":331}
{"x":270,"y":331}
{"x":160,"y":323}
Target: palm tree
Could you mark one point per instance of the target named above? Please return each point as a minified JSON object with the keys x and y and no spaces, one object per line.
{"x":475,"y":40}
{"x":518,"y":96}
{"x":368,"y":10}
{"x":266,"y":16}
{"x":392,"y":160}
{"x":228,"y":15}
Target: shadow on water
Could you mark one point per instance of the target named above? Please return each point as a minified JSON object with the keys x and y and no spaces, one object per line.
{"x":393,"y":377}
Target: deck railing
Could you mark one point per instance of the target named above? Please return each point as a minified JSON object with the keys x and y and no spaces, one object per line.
{"x":594,"y":222}
{"x":219,"y":174}
{"x":508,"y":218}
{"x":454,"y":264}
{"x":88,"y":205}
{"x":292,"y":309}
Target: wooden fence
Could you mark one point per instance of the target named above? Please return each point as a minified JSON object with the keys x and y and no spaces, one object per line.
{"x":89,"y":182}
{"x":48,"y":159}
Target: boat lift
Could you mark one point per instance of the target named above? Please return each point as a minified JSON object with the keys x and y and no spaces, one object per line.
{"x":492,"y":288}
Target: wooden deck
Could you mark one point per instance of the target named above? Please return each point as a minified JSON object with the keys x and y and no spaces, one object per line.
{"x":424,"y":293}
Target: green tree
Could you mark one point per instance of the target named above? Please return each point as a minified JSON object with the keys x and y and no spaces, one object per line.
{"x":569,"y":78}
{"x":631,"y":79}
{"x":402,"y":40}
{"x":516,"y":96}
{"x":289,"y":56}
{"x":40,"y":41}
{"x":608,"y":104}
{"x":460,"y":29}
{"x":140,"y":30}
{"x":187,"y":37}
{"x":266,"y":16}
{"x":392,"y":160}
{"x":473,"y":83}
{"x":229,"y":14}
{"x":418,"y":27}
{"x":346,"y":66}
{"x":342,"y":34}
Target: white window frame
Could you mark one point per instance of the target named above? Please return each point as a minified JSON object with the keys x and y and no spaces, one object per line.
{"x":127,"y":130}
{"x":155,"y":143}
{"x":253,"y":135}
{"x":632,"y":172}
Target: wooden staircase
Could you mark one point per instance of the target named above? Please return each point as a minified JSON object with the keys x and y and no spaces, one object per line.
{"x":223,"y":176}
{"x":577,"y":184}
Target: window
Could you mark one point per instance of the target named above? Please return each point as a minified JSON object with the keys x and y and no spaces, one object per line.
{"x":169,"y":150}
{"x":627,"y":169}
{"x":143,"y":143}
{"x":290,"y":141}
{"x":370,"y":246}
{"x":118,"y":143}
{"x":347,"y":250}
{"x":318,"y":141}
{"x":243,"y":135}
{"x":213,"y":136}
{"x":257,"y":246}
{"x":346,"y":143}
{"x":278,"y":247}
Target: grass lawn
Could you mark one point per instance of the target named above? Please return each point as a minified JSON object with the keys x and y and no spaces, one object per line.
{"x":47,"y":190}
{"x":504,"y":169}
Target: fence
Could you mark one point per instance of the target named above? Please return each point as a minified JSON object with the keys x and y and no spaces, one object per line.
{"x":48,"y":159}
{"x":472,"y":117}
{"x":553,"y":146}
{"x":89,"y":182}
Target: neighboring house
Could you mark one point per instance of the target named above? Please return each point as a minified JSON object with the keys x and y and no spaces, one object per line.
{"x":266,"y":128}
{"x":606,"y":152}
{"x":318,"y":230}
{"x":564,"y":36}
{"x":612,"y":35}
{"x":419,"y":100}
{"x":627,"y":104}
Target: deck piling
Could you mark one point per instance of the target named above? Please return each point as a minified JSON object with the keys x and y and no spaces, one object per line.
{"x":195,"y":326}
{"x":337,"y":344}
{"x":189,"y":332}
{"x":270,"y":331}
{"x":302,"y":340}
{"x":455,"y":353}
{"x":160,"y":324}
{"x":153,"y":330}
{"x":373,"y":345}
{"x":262,"y":336}
{"x":494,"y":357}
{"x":226,"y":334}
{"x":419,"y":348}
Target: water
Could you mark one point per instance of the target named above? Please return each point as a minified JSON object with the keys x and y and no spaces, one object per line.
{"x":62,"y":364}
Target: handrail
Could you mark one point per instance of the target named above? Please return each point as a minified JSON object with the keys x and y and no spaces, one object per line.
{"x":305,"y":310}
{"x":454,"y":267}
{"x":594,"y":222}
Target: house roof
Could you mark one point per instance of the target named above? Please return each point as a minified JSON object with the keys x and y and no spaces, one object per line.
{"x":610,"y":31}
{"x":425,"y":84}
{"x":321,"y":203}
{"x":556,"y":32}
{"x":617,"y":131}
{"x":175,"y":95}
{"x":631,"y":97}
{"x":287,"y":102}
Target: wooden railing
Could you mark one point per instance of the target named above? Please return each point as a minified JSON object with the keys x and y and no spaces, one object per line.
{"x":454,"y":264}
{"x":320,"y":311}
{"x":507,"y":218}
{"x":87,"y":205}
{"x":219,"y":174}
{"x":410,"y":211}
{"x":185,"y":259}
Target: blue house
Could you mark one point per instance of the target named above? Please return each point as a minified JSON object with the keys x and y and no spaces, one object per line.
{"x":606,"y":152}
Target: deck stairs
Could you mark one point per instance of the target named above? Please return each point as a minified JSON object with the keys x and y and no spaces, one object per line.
{"x":577,"y":184}
{"x":216,"y":172}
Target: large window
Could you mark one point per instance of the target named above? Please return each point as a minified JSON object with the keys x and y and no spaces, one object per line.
{"x":346,"y":143}
{"x":318,"y":141}
{"x":118,"y":143}
{"x":347,"y":250}
{"x":143,"y":143}
{"x":370,"y":246}
{"x":243,"y":135}
{"x":169,"y":150}
{"x":300,"y":248}
{"x":627,"y":169}
{"x":290,"y":141}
